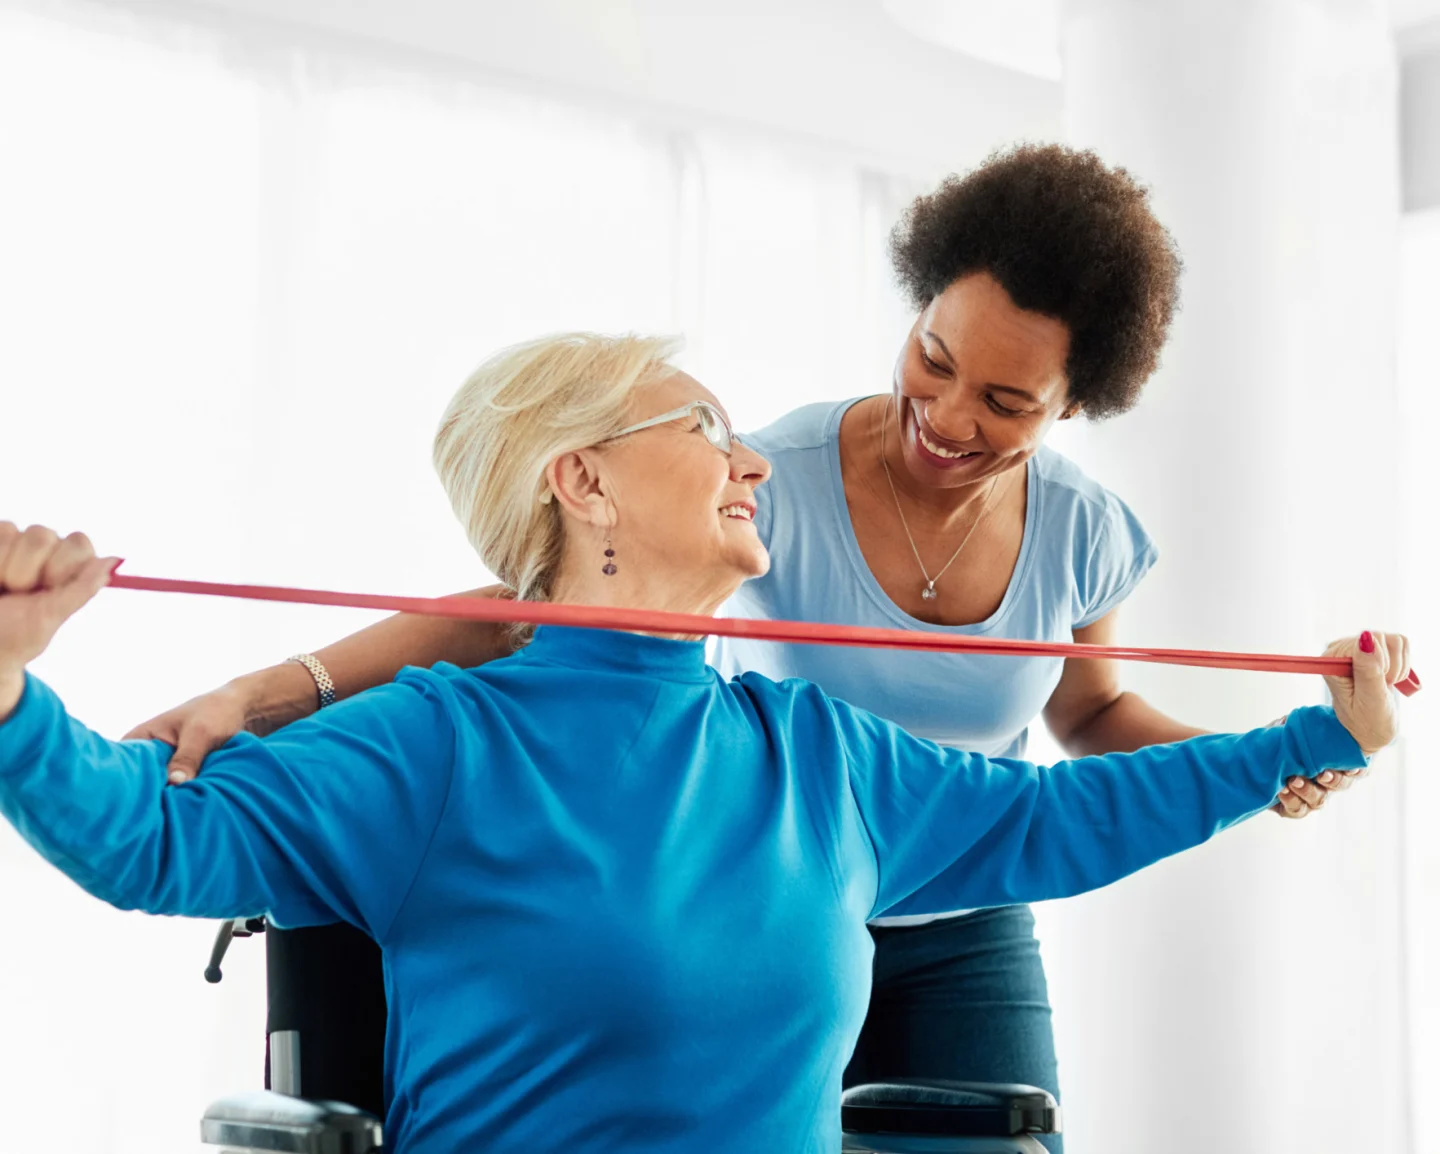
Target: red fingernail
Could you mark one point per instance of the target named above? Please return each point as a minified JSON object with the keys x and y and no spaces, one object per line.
{"x":1367,"y":643}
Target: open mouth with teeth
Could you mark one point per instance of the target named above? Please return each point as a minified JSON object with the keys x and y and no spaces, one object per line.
{"x":739,"y":512}
{"x":937,"y":450}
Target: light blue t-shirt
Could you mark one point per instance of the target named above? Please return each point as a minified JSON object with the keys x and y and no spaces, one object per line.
{"x":1082,"y":554}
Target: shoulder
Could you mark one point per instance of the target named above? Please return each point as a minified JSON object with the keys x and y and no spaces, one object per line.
{"x":416,"y":697}
{"x":439,"y":680}
{"x":800,"y":446}
{"x":448,"y":690}
{"x":788,"y":699}
{"x":801,"y":707}
{"x":808,"y":427}
{"x":1095,"y":535}
{"x":500,"y":678}
{"x":1064,"y":481}
{"x":758,"y":687}
{"x":447,"y":701}
{"x":1071,"y":495}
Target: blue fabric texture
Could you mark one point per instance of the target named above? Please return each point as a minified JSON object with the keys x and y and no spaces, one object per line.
{"x":622,"y":900}
{"x":1083,"y":553}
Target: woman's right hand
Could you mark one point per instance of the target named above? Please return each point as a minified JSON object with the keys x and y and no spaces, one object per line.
{"x":44,"y":580}
{"x":257,"y":703}
{"x":196,"y":729}
{"x":1364,"y":702}
{"x":263,"y":701}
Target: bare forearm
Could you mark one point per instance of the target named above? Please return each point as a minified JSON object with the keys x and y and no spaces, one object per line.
{"x":373,"y":656}
{"x":1128,"y":723}
{"x":284,"y":693}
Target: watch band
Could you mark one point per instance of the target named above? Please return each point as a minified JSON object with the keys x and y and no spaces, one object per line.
{"x":323,"y":682}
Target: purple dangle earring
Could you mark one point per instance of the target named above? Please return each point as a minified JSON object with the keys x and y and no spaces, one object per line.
{"x":609,"y":567}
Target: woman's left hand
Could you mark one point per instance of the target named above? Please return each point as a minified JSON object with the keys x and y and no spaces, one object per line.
{"x":1302,"y":796}
{"x":1365,"y":704}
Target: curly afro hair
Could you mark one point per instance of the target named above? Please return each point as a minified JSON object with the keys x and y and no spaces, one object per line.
{"x":1066,"y":237}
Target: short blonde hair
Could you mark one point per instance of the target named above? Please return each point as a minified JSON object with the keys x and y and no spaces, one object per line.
{"x":521,"y":409}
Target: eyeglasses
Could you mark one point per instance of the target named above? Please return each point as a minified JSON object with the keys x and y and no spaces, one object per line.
{"x":712,"y":423}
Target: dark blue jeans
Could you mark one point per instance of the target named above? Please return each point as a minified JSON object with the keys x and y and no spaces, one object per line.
{"x":963,"y":998}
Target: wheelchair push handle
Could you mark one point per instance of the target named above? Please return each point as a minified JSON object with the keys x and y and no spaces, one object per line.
{"x":229,"y":930}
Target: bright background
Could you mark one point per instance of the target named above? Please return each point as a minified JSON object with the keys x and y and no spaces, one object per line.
{"x":248,"y":250}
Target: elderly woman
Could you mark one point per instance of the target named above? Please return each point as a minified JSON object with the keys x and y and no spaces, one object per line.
{"x":623,"y":901}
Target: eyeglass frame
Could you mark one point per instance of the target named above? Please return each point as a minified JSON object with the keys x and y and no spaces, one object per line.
{"x":684,"y":411}
{"x":546,"y":496}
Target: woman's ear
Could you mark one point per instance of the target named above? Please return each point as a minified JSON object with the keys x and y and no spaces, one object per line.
{"x":578,"y":486}
{"x":1073,"y":409}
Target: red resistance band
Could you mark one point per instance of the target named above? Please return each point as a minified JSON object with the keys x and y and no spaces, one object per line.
{"x":801,"y":632}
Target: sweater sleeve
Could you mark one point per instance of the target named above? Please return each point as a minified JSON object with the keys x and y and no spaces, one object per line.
{"x":969,"y":831}
{"x":326,"y":820}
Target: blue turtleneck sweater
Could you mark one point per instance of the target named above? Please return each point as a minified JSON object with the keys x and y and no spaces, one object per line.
{"x":622,"y":900}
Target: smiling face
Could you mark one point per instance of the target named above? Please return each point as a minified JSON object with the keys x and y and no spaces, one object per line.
{"x":677,"y":511}
{"x":978,"y":384}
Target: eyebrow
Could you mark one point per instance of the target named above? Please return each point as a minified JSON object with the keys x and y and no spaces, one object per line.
{"x":1031,"y":397}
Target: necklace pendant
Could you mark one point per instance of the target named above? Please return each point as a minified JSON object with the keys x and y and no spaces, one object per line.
{"x":929,"y":593}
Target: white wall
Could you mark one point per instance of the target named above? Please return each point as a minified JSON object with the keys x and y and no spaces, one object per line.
{"x":1420,"y":408}
{"x":838,"y":72}
{"x":1420,"y":115}
{"x":1221,"y":1001}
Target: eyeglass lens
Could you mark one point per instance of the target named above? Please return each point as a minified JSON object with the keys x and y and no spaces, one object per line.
{"x":714,"y":427}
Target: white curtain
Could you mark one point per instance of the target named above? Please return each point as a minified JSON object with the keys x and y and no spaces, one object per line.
{"x":240,"y":278}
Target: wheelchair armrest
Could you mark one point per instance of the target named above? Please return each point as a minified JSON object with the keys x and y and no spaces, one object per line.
{"x":954,"y":1109}
{"x":263,"y":1120}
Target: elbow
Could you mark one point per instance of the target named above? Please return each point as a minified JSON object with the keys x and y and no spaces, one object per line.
{"x":1077,"y":732}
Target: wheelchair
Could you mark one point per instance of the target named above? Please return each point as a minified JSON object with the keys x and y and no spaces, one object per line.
{"x":324,"y":1067}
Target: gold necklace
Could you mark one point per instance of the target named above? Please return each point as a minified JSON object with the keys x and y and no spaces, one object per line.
{"x":928,"y":592}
